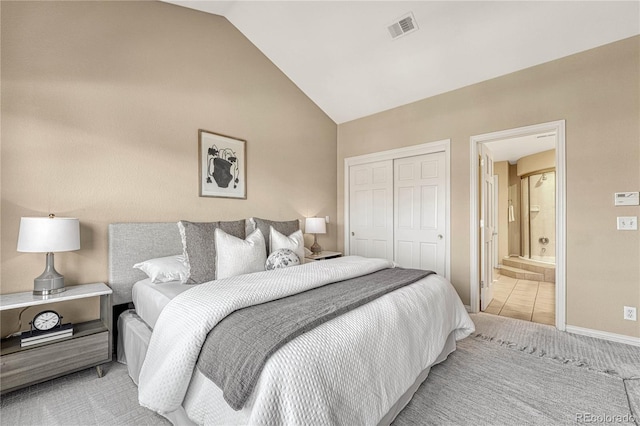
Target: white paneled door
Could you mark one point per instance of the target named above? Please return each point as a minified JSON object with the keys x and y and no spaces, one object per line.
{"x":371,"y":209}
{"x":488,"y":226}
{"x":419,"y":212}
{"x":397,"y":211}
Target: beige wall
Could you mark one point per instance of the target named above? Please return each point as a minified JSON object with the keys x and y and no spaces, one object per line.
{"x":597,"y":93}
{"x":101,"y":102}
{"x":501,"y":168}
{"x":535,"y":162}
{"x":101,"y":106}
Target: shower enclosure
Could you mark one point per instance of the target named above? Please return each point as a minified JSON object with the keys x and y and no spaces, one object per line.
{"x":538,"y":209}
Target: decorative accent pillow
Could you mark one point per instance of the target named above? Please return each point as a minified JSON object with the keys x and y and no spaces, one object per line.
{"x":236,"y":256}
{"x":199,"y":246}
{"x":294,"y":242}
{"x":164,"y":269}
{"x":284,"y":227}
{"x":281,"y":258}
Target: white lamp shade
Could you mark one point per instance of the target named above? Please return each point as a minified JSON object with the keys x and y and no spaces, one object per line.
{"x":44,"y":234}
{"x":315,"y":225}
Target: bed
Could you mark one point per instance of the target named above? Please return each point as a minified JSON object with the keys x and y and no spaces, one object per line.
{"x":360,"y":367}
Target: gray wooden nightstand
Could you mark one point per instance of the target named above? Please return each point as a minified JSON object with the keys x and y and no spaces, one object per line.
{"x":323,"y":255}
{"x":89,"y":346}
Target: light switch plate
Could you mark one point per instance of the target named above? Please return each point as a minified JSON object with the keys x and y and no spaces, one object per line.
{"x":627,"y":223}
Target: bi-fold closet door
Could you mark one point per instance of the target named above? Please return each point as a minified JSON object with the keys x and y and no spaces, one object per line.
{"x":397,"y":210}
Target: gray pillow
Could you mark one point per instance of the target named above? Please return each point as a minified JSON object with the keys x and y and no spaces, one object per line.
{"x":199,"y":246}
{"x":284,"y":227}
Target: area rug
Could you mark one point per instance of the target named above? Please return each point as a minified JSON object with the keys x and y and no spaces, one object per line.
{"x":518,"y":372}
{"x":79,"y":399}
{"x":509,"y":372}
{"x":616,"y":359}
{"x":483,"y":383}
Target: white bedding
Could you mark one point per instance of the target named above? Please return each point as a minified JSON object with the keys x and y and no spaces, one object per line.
{"x":150,"y":299}
{"x":351,"y":369}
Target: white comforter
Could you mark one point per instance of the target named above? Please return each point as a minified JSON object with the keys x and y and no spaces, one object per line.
{"x":349,"y":370}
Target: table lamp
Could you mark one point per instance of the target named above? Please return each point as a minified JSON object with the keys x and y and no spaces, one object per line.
{"x":48,"y":235}
{"x":315,"y":225}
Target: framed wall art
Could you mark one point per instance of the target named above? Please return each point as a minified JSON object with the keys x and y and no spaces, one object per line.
{"x":222,"y":165}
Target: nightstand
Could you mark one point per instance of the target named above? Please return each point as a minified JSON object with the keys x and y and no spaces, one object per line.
{"x":323,"y":255}
{"x":89,"y":346}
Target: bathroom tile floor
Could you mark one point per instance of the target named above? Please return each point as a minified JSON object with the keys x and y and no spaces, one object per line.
{"x":523,"y":299}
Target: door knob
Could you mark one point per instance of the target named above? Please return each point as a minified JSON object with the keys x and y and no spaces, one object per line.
{"x":353,"y":234}
{"x":439,"y":236}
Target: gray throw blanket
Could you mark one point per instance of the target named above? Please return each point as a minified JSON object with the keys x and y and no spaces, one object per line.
{"x":238,"y":347}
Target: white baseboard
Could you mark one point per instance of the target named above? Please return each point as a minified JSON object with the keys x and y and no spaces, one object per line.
{"x":620,"y":338}
{"x":468,"y":308}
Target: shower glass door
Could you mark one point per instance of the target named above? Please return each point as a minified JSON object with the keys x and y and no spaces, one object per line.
{"x":539,"y":216}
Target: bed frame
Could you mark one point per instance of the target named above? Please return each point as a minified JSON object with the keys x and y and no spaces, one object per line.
{"x":134,"y":242}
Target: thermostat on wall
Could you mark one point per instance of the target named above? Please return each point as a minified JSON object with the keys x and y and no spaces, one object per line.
{"x":627,"y":198}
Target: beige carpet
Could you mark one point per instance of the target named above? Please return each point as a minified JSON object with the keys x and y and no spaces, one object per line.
{"x":509,"y":372}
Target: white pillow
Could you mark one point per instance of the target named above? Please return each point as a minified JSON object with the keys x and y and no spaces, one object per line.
{"x":294,"y":242}
{"x":235,"y":256}
{"x":165,"y":269}
{"x":282,"y":258}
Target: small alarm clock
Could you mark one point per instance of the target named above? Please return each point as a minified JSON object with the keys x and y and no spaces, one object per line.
{"x":46,"y":320}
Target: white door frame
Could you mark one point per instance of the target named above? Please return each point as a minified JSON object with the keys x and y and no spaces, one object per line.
{"x":392,"y":154}
{"x":553,"y":126}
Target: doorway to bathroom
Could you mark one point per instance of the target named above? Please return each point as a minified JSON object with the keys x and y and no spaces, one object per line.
{"x":524,"y":281}
{"x":517,"y":256}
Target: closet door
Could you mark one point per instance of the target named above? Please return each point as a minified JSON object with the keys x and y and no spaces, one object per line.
{"x":371,"y":209}
{"x":420,"y":212}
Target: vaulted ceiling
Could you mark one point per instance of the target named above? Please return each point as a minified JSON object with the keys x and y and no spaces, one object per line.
{"x":342,"y":56}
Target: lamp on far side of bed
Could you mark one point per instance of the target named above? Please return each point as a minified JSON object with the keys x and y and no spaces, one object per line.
{"x":48,"y":235}
{"x":315,"y":226}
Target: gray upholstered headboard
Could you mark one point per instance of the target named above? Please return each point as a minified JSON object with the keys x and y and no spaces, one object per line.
{"x":130,"y":243}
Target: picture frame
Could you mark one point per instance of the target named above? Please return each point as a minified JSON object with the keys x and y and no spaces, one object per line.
{"x":222,"y":165}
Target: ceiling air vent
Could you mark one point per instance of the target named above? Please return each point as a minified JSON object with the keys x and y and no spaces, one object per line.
{"x":402,"y":26}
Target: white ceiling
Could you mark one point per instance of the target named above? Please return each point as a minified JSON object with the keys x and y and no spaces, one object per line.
{"x":513,"y":149}
{"x":341,"y":55}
